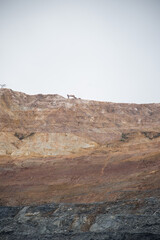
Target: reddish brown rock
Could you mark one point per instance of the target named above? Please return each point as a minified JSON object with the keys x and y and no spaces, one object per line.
{"x":54,"y":149}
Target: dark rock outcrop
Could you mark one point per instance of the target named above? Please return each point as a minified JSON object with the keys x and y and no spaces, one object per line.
{"x":133,"y":219}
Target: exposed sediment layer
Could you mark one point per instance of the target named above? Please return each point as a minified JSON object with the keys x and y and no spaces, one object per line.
{"x":54,"y":149}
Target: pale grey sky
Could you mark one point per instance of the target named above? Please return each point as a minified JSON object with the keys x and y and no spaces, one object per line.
{"x":107,"y":50}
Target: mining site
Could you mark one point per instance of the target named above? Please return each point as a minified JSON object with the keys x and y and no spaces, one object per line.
{"x":78,"y":169}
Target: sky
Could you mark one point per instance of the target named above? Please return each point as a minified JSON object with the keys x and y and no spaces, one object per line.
{"x":105,"y":50}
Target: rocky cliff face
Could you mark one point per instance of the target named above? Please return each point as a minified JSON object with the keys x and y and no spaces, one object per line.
{"x":54,"y":149}
{"x":89,"y":170}
{"x":121,"y":220}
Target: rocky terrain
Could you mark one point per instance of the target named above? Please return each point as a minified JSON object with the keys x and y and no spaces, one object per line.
{"x":63,"y":152}
{"x":132,"y":219}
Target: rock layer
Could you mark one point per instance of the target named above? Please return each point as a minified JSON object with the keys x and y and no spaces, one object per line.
{"x":131,"y":220}
{"x":54,"y":149}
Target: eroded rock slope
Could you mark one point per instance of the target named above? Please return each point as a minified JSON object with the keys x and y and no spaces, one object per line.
{"x":54,"y":149}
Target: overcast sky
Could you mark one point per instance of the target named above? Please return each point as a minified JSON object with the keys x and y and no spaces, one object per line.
{"x":107,"y":50}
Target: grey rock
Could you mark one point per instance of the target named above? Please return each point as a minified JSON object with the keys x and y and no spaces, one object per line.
{"x":134,"y":219}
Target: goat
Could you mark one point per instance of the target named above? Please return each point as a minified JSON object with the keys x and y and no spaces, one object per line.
{"x":71,"y":96}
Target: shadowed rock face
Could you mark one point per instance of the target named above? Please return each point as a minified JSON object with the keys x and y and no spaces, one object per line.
{"x":54,"y":149}
{"x":131,"y":220}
